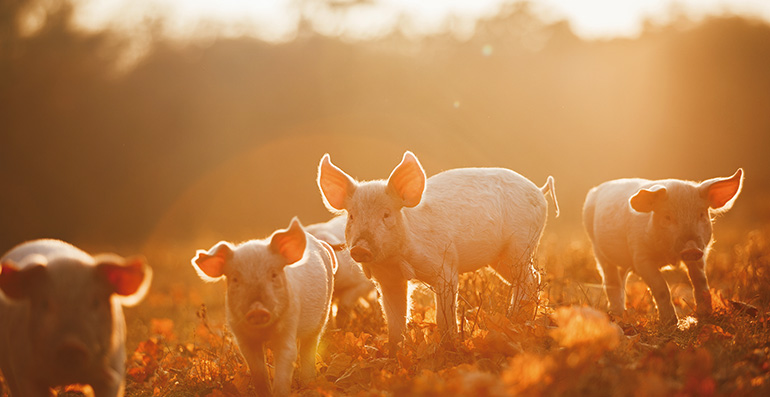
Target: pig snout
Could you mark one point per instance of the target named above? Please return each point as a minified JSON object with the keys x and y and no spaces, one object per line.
{"x":691,"y":252}
{"x":72,"y":353}
{"x":258,"y":316}
{"x":361,"y":254}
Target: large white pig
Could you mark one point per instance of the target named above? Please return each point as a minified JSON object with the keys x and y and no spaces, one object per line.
{"x":432,"y":229}
{"x":61,"y":320}
{"x":279,"y":292}
{"x":350,"y":283}
{"x":643,"y":225}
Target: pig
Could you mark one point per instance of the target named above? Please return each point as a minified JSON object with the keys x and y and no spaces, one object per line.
{"x":432,"y":229}
{"x":642,"y":225}
{"x":62,"y":318}
{"x":350,"y":283}
{"x":279,"y":292}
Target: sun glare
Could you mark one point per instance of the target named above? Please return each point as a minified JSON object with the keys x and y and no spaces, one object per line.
{"x":592,"y":19}
{"x":278,"y":20}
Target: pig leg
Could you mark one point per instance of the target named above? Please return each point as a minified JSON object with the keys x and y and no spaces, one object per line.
{"x":108,"y":388}
{"x":700,"y":285}
{"x":651,"y":275}
{"x":307,"y":355}
{"x":446,"y":307}
{"x":614,"y":284}
{"x":111,"y":381}
{"x":524,"y":280}
{"x":394,"y":305}
{"x":255,"y":358}
{"x":285,"y":352}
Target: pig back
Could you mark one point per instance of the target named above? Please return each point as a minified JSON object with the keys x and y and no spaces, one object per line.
{"x":47,"y":248}
{"x":311,"y":281}
{"x":479,"y":211}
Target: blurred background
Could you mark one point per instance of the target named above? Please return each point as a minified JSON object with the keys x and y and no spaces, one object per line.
{"x":146,"y":126}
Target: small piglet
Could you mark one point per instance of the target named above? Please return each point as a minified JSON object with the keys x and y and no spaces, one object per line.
{"x":350,"y":283}
{"x":643,"y":225}
{"x":61,"y":320}
{"x":432,"y":229}
{"x":279,"y":292}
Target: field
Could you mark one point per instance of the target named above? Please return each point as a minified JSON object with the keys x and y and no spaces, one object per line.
{"x":179,"y":345}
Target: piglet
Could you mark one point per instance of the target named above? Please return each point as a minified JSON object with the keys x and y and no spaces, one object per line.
{"x":61,"y":317}
{"x":279,"y":292}
{"x":643,"y":225}
{"x":432,"y":229}
{"x":350,"y":283}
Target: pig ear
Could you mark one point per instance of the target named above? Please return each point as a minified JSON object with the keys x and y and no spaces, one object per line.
{"x":16,"y":283}
{"x":408,"y":180}
{"x":645,"y":200}
{"x":336,"y":186}
{"x":722,"y":192}
{"x":211,"y":265}
{"x":289,"y":243}
{"x":129,"y":278}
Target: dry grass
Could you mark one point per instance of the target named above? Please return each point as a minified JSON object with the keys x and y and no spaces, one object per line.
{"x":180,"y":346}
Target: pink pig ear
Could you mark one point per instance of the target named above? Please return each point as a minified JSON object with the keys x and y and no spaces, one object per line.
{"x":408,"y":180}
{"x":721,"y":192}
{"x":15,"y":283}
{"x":129,"y":278}
{"x":336,"y":186}
{"x":290,"y":243}
{"x":211,"y":265}
{"x":645,"y":200}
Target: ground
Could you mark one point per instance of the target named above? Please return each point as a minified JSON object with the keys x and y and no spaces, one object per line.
{"x":180,"y":346}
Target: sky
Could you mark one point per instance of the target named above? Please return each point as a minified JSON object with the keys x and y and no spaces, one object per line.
{"x":277,"y":20}
{"x":143,"y":22}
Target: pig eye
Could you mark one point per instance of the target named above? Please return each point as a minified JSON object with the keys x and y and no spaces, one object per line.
{"x":235,"y":279}
{"x":668,"y":217}
{"x":386,"y":215}
{"x":274,"y":276}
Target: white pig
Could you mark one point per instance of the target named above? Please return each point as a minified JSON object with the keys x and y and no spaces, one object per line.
{"x":279,"y":292}
{"x":411,"y":227}
{"x":61,"y":317}
{"x":350,"y":283}
{"x":643,"y":225}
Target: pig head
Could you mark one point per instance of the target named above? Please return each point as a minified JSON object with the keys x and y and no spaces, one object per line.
{"x":65,"y":321}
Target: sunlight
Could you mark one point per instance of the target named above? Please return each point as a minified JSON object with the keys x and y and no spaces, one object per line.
{"x":687,"y":323}
{"x":141,"y":23}
{"x":601,"y":19}
{"x":278,"y":21}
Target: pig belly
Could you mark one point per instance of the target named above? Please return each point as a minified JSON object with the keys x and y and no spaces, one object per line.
{"x":476,"y":256}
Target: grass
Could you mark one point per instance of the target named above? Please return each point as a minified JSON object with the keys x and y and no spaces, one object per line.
{"x":180,"y":345}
